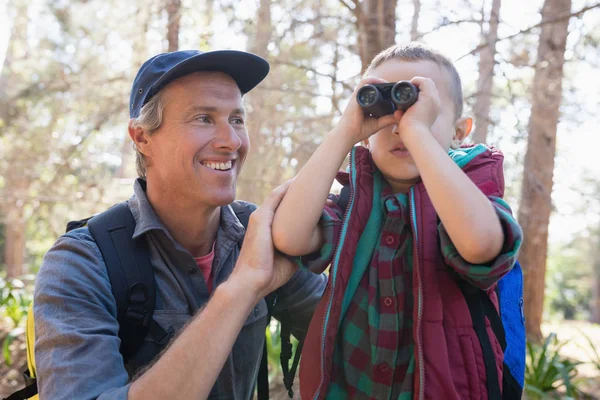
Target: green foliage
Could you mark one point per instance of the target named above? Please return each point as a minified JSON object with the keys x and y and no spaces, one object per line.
{"x":546,"y":371}
{"x":15,"y":297}
{"x":569,"y":277}
{"x":273,"y":340}
{"x":594,"y":352}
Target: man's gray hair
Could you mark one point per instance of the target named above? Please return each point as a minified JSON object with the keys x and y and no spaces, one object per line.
{"x":150,"y":119}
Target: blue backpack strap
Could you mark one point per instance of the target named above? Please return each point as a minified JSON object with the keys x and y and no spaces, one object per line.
{"x":510,"y":294}
{"x":131,"y":277}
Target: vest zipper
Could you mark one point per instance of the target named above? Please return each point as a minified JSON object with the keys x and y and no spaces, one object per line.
{"x":333,"y":274}
{"x":420,"y":389}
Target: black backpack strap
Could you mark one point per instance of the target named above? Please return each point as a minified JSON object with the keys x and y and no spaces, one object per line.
{"x":262,"y":382}
{"x":289,"y":373}
{"x":344,"y":197}
{"x":131,"y":276}
{"x":25,"y":393}
{"x":479,"y":307}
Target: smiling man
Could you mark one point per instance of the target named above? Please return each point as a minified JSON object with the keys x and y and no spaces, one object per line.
{"x":189,"y":131}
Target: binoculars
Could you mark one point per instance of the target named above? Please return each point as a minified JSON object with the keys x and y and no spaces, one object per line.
{"x":381,"y":99}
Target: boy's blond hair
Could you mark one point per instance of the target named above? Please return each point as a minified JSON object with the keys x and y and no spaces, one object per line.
{"x":419,"y":52}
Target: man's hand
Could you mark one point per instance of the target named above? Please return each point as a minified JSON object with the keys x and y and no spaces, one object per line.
{"x":260,"y":268}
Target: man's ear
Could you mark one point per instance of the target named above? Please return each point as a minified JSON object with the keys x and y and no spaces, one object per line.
{"x":462,"y":128}
{"x":139,"y":138}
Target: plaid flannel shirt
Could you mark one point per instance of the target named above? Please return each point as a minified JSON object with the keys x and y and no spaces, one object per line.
{"x":374,"y":353}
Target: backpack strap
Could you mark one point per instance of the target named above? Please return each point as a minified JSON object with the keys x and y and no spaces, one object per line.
{"x":25,"y":393}
{"x":131,"y":277}
{"x":480,"y":307}
{"x":262,"y":382}
{"x":289,"y":373}
{"x":344,"y":197}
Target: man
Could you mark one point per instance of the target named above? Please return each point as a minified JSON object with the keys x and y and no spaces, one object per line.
{"x":188,"y":127}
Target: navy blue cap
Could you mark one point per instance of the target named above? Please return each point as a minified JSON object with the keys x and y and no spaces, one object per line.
{"x":247,"y":69}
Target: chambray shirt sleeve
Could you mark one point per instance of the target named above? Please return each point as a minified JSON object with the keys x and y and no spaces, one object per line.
{"x":330,"y":224}
{"x":77,"y":345}
{"x":298,"y":298}
{"x":484,"y":276}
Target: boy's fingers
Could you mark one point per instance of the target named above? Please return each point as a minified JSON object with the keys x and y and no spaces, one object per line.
{"x":385,"y":120}
{"x":423,"y":84}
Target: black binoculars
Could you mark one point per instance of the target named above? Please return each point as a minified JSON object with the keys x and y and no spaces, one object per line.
{"x":381,"y":99}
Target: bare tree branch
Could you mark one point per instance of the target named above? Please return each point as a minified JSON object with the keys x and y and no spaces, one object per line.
{"x":527,"y":30}
{"x":309,"y":69}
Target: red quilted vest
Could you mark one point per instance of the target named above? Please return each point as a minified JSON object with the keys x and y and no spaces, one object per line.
{"x":449,"y":358}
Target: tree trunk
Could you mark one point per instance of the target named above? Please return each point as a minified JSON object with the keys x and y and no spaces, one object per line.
{"x":250,"y":186}
{"x":174,"y":18}
{"x":414,"y":27}
{"x":264,"y":30}
{"x":14,"y":244}
{"x":535,"y":207}
{"x":140,"y":53}
{"x":595,"y":306}
{"x":376,"y":24}
{"x":483,"y":98}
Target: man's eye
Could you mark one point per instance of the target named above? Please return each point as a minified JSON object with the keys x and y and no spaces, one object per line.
{"x":237,"y":121}
{"x":203,"y":118}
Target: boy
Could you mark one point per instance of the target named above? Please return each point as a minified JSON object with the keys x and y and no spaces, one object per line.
{"x":423,"y":216}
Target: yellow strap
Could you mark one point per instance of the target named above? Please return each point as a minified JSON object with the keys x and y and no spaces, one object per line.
{"x":30,"y":331}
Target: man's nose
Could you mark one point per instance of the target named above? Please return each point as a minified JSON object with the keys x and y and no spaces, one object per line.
{"x":227,"y":137}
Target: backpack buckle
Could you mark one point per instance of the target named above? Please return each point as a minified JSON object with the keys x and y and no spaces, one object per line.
{"x":137,"y":316}
{"x":137,"y":311}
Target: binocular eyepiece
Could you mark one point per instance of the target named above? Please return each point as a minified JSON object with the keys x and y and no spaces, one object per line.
{"x":381,"y":99}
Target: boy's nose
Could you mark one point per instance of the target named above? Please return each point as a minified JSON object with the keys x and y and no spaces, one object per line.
{"x":395,"y":129}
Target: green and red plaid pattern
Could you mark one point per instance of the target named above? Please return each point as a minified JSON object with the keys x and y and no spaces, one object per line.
{"x":374,"y":352}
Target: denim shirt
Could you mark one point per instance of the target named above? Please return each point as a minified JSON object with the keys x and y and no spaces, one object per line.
{"x":77,"y":344}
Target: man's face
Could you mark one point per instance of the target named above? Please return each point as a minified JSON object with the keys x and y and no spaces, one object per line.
{"x":199,"y":150}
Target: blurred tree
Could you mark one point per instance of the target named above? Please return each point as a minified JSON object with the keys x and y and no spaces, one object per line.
{"x":414,"y":27}
{"x":483,"y":96}
{"x":288,"y":114}
{"x":595,"y":302}
{"x":173,"y":8}
{"x":53,"y":105}
{"x":376,"y":25}
{"x":536,"y":205}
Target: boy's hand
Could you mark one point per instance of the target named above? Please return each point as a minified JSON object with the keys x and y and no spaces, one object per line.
{"x":420,"y":116}
{"x":354,"y":125}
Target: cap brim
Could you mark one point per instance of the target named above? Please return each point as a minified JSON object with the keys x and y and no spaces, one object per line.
{"x":247,"y":69}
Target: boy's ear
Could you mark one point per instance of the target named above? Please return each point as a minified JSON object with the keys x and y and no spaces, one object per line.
{"x":462,"y":128}
{"x":365,"y":143}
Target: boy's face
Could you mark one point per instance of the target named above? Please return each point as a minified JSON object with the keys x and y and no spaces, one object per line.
{"x":398,"y":168}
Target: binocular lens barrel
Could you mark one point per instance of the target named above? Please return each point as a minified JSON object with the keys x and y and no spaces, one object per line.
{"x":367,"y":95}
{"x":381,"y":99}
{"x":404,"y":94}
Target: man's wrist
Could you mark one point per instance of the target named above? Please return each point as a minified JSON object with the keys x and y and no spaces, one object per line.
{"x":240,"y":290}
